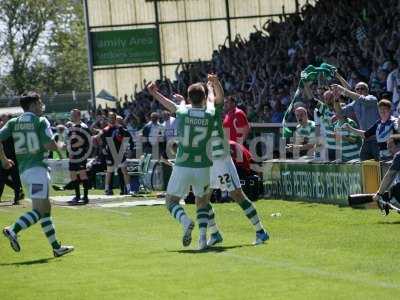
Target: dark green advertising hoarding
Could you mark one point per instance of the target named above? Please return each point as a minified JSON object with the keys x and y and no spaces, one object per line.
{"x":125,"y":47}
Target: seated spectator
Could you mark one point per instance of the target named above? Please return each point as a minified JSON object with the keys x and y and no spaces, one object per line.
{"x":304,"y":135}
{"x":381,"y":130}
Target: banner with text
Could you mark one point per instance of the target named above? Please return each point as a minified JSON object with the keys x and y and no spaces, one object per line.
{"x":327,"y":183}
{"x":125,"y":46}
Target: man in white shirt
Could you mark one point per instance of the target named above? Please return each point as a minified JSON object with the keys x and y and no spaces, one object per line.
{"x":153,"y":133}
{"x":169,"y":125}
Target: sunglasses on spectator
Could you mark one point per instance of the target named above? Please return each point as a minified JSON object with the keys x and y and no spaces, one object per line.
{"x":360,"y":88}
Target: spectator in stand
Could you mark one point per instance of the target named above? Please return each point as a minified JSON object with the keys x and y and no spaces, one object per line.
{"x":304,"y":135}
{"x":277,"y":112}
{"x":324,"y":127}
{"x":153,"y":136}
{"x":365,"y":108}
{"x":381,"y":130}
{"x":393,"y":86}
{"x":132,"y":122}
{"x":361,"y":43}
{"x":235,"y":121}
{"x":170,"y":126}
{"x":347,"y":143}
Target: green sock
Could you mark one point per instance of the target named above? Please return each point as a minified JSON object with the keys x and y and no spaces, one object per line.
{"x":251,"y":214}
{"x":202,"y":220}
{"x":49,"y":231}
{"x":212,"y":225}
{"x":177,"y":211}
{"x":26,"y":220}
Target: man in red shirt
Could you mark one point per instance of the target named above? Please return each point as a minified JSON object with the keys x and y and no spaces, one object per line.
{"x":241,"y":157}
{"x":236,"y":125}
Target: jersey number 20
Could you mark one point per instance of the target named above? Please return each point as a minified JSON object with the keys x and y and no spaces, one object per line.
{"x":26,"y":142}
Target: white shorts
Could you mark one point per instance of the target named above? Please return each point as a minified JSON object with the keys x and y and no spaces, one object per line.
{"x":36,"y":181}
{"x":224,"y":175}
{"x":183,"y":177}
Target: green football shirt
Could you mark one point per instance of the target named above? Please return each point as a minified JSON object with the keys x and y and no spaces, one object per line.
{"x":219,"y":144}
{"x":30,"y":134}
{"x":194,"y":132}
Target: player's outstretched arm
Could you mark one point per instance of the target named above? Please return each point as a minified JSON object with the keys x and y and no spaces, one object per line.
{"x":167,"y":103}
{"x":217,"y":87}
{"x":342,"y":81}
{"x":179,"y":99}
{"x":338,"y":89}
{"x":210,"y":94}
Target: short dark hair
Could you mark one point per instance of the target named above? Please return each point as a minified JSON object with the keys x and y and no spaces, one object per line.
{"x":385,"y":103}
{"x":232,"y":99}
{"x":27,"y":99}
{"x":196,"y":93}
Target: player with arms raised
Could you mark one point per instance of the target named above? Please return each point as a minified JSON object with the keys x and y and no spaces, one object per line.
{"x":192,"y":165}
{"x":224,"y":175}
{"x":32,"y":138}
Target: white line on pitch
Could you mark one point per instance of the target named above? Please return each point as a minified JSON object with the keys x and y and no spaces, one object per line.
{"x":314,"y":271}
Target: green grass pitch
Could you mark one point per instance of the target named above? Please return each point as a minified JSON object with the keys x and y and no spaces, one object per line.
{"x":316,"y":252}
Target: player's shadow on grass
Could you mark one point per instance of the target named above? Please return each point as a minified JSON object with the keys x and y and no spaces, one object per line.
{"x":216,"y":249}
{"x":388,"y":222}
{"x":30,"y":262}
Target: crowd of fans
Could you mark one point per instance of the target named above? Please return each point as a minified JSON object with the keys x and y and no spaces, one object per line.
{"x":360,"y":37}
{"x":351,"y":116}
{"x":261,"y":73}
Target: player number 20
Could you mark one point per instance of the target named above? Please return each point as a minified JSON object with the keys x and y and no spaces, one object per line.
{"x":26,"y":142}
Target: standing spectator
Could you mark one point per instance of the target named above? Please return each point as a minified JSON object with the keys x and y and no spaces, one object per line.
{"x":324,"y":131}
{"x":346,"y":142}
{"x":235,"y":121}
{"x":170,"y":125}
{"x":365,"y":107}
{"x":393,"y":86}
{"x":304,"y":135}
{"x":132,"y":122}
{"x":381,"y":130}
{"x":153,"y":134}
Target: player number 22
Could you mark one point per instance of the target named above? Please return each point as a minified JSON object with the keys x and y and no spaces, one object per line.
{"x":224,"y":179}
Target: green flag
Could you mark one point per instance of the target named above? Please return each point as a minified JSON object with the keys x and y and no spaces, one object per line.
{"x":324,"y":73}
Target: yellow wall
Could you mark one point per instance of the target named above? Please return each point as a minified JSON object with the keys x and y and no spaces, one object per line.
{"x":190,"y":41}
